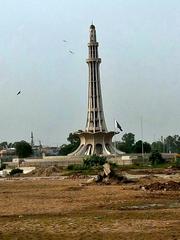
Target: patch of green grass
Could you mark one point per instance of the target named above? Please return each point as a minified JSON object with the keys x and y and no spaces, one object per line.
{"x":83,"y":169}
{"x":162,"y":165}
{"x":77,"y":167}
{"x":145,"y":166}
{"x":87,"y":170}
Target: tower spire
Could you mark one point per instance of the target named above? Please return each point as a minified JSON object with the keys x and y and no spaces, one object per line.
{"x":95,"y":117}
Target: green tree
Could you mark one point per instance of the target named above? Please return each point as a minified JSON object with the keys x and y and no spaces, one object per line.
{"x":74,"y":142}
{"x":156,"y":158}
{"x":127,"y":143}
{"x":3,"y":145}
{"x":65,"y":149}
{"x":138,"y":147}
{"x":159,"y":146}
{"x":172,"y":144}
{"x":23,"y":149}
{"x":73,"y":139}
{"x":10,"y":145}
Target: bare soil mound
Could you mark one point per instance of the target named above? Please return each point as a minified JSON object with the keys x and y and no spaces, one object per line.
{"x":45,"y":172}
{"x":168,"y":186}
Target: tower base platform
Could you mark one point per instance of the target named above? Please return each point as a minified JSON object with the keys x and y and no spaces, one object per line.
{"x":99,"y":143}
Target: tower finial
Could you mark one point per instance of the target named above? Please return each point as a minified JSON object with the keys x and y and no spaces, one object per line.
{"x":92,"y":25}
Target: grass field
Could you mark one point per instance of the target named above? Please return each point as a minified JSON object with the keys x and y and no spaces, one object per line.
{"x":68,"y":209}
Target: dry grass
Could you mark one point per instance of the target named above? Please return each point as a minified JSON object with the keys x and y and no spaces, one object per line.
{"x":53,"y":209}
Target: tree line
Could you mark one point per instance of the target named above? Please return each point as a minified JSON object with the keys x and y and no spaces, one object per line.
{"x":170,"y":144}
{"x":128,"y":144}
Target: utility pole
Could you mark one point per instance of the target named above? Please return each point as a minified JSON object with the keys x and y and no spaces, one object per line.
{"x":142,"y":139}
{"x":162,"y":140}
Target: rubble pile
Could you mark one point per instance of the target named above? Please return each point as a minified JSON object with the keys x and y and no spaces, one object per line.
{"x":168,"y":186}
{"x":108,"y":176}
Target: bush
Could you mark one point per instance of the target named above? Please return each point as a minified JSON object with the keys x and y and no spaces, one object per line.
{"x":113,"y":165}
{"x":94,"y":160}
{"x":156,"y":158}
{"x":16,"y":171}
{"x":3,"y":166}
{"x":88,"y":164}
{"x":177,"y":164}
{"x":76,"y":167}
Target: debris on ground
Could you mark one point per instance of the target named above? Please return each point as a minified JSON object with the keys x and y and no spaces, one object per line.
{"x":108,"y":176}
{"x":168,"y":186}
{"x":169,"y":171}
{"x":77,"y":176}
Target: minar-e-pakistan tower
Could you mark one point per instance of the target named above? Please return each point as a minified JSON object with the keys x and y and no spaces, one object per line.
{"x":95,"y":139}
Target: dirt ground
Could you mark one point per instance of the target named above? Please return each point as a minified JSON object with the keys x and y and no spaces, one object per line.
{"x":37,"y":208}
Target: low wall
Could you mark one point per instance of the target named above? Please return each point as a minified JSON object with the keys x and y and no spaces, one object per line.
{"x":64,"y":161}
{"x":61,"y":161}
{"x":120,"y":161}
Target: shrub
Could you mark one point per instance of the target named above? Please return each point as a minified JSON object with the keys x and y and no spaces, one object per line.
{"x":113,"y":165}
{"x":76,"y":167}
{"x":15,"y":171}
{"x":156,"y":158}
{"x":177,"y":164}
{"x":94,"y":160}
{"x":3,"y":166}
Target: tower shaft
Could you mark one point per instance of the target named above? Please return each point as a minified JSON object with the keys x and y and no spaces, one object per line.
{"x":95,"y":139}
{"x":95,"y":116}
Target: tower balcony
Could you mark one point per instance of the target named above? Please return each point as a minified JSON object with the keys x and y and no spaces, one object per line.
{"x":93,"y":44}
{"x":98,"y":60}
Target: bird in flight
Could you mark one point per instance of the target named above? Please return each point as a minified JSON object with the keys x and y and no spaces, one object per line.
{"x":71,"y":52}
{"x":64,"y":40}
{"x":18,"y":92}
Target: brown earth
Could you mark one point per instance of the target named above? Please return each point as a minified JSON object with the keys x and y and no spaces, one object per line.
{"x":35,"y":208}
{"x":45,"y":172}
{"x":167,"y":186}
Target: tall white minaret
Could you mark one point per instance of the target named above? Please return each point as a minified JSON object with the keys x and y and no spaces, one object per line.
{"x":95,"y":116}
{"x":95,"y":139}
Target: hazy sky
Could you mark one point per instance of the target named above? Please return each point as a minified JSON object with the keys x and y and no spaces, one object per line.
{"x":140,"y":71}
